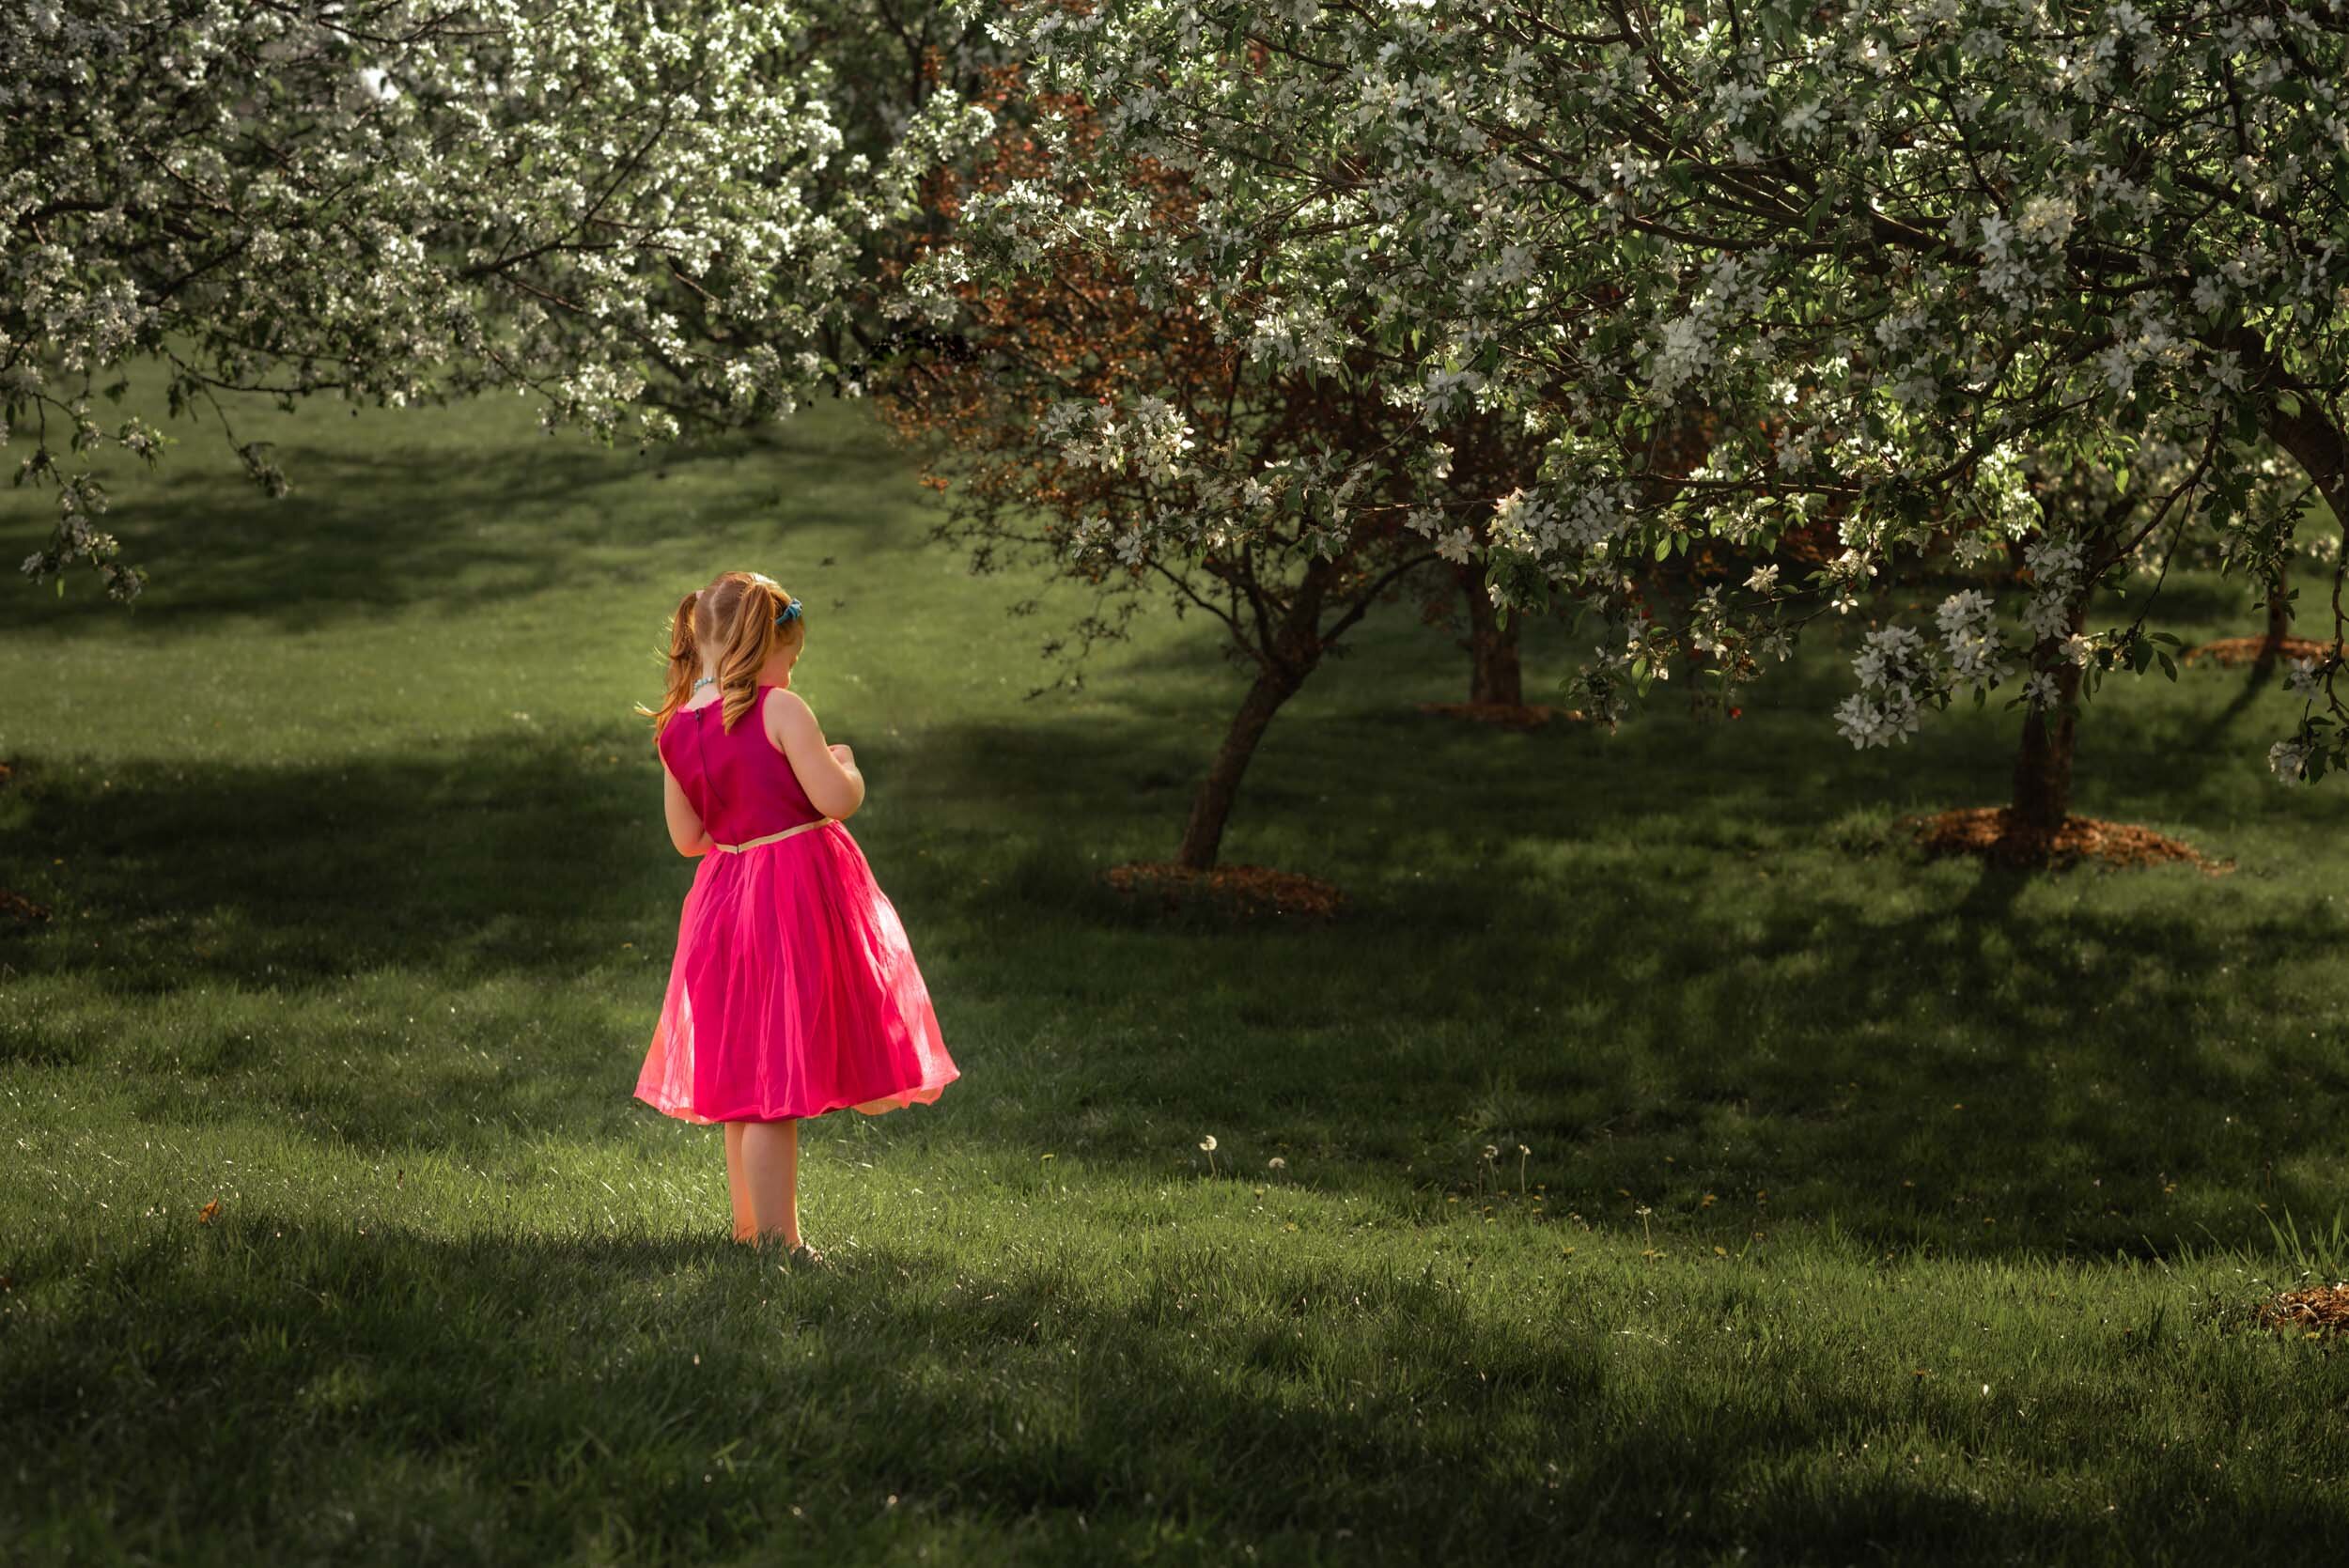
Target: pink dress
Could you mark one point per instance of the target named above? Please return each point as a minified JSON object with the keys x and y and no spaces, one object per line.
{"x":793,"y":990}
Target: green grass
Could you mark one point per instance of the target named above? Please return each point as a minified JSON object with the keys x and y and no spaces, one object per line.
{"x":1876,"y":1209}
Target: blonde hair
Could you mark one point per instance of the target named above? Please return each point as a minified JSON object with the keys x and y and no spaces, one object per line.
{"x":736,"y":616}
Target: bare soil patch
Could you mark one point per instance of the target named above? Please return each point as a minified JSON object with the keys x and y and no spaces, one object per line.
{"x":1241,"y":891}
{"x":1983,"y":830}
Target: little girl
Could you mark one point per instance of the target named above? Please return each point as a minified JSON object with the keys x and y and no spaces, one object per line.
{"x":793,"y":992}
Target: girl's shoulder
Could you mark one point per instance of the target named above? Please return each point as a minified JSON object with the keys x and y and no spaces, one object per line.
{"x":783,"y":710}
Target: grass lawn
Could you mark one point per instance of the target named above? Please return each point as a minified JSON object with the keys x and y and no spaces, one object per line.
{"x":1870,"y":1209}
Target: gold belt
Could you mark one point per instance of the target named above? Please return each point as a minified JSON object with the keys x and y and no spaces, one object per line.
{"x":752,"y":843}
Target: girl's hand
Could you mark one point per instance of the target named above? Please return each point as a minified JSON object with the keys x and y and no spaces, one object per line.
{"x":847,"y":758}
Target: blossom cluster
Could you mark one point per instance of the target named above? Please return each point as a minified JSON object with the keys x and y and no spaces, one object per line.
{"x":1852,"y":264}
{"x":628,"y":213}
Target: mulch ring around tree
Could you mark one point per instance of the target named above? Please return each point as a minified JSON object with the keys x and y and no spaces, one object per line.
{"x":1982,"y":831}
{"x":1239,"y":891}
{"x":2245,"y":650}
{"x":1510,"y":716}
{"x":2321,"y":1310}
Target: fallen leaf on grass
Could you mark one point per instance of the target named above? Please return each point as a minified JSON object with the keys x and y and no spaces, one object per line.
{"x":16,"y":906}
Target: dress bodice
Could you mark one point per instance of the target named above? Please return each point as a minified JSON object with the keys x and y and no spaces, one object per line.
{"x":742,"y":787}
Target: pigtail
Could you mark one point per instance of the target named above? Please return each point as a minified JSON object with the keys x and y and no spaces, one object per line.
{"x":684,"y":661}
{"x":681,"y":652}
{"x":743,"y":651}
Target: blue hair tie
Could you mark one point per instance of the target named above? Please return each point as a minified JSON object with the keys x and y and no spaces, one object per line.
{"x":790,"y":613}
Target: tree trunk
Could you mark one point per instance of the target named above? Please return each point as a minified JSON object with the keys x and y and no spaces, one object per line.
{"x":2315,"y":443}
{"x":2042,"y":765}
{"x":1494,"y":673}
{"x":2043,"y":776}
{"x":1211,"y":807}
{"x":2279,"y":623}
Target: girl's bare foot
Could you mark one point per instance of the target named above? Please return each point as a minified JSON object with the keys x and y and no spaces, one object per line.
{"x":793,"y":1251}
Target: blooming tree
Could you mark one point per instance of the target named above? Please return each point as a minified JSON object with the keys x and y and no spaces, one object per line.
{"x":644,"y":217}
{"x":1918,"y":257}
{"x":1489,"y":453}
{"x":1062,"y":431}
{"x":2098,"y":529}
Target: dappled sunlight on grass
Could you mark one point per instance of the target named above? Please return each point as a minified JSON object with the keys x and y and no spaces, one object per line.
{"x":1653,"y":1156}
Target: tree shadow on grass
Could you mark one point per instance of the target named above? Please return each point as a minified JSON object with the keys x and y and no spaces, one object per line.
{"x":459,"y":529}
{"x":1669,"y":994}
{"x":370,"y":1389}
{"x":1684,"y":995}
{"x":489,"y":856}
{"x":1973,"y":1076}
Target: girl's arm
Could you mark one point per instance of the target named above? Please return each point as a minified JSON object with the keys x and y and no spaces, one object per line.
{"x":833,"y":786}
{"x":685,"y":823}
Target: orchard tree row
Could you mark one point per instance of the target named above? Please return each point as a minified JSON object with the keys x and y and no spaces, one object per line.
{"x":1698,"y":323}
{"x":2056,"y":287}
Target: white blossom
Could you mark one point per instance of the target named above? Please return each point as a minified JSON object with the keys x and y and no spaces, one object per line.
{"x":512,"y":195}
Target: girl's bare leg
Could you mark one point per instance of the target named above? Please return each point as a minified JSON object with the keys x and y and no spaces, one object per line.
{"x":771,"y":1169}
{"x":738,"y":1187}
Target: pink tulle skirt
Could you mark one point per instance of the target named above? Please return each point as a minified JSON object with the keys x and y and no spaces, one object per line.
{"x":793,"y":992}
